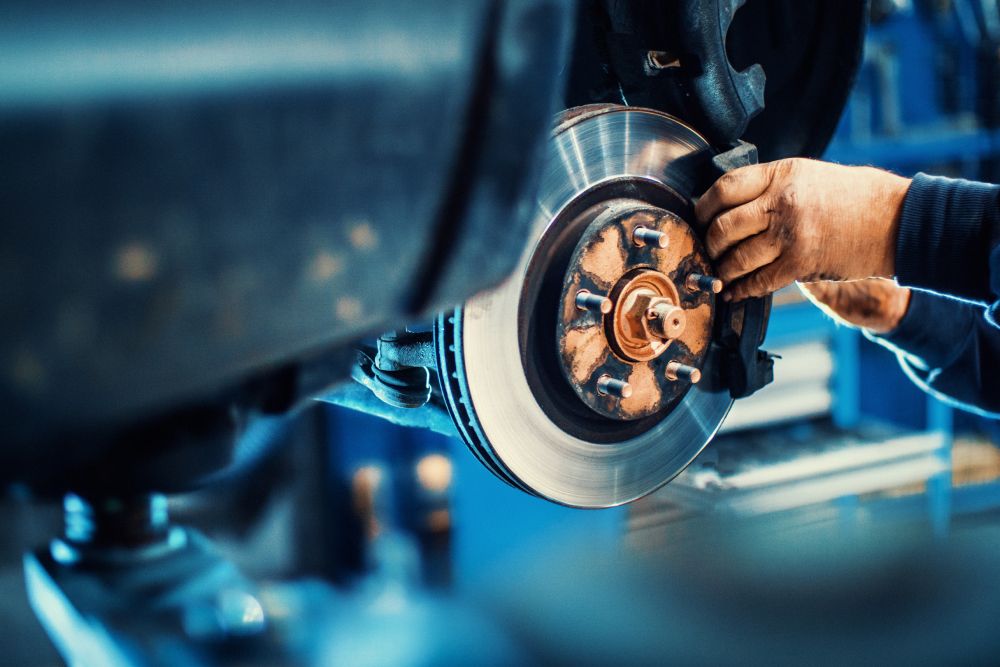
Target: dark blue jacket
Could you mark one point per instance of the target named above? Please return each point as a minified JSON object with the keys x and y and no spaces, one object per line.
{"x":948,"y":250}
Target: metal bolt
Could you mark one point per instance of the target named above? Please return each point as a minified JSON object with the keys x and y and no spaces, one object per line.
{"x":698,"y":283}
{"x":678,"y":371}
{"x":609,"y":386}
{"x":645,"y":236}
{"x":586,"y":300}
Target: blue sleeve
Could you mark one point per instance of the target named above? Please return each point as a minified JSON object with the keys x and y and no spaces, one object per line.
{"x":947,"y":241}
{"x":949,"y":349}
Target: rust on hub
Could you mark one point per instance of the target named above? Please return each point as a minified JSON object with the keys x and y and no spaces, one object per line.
{"x":648,"y":309}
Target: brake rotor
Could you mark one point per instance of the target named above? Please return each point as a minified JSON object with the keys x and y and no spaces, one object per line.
{"x":577,"y":379}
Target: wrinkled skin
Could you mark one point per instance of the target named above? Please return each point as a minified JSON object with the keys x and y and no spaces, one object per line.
{"x":876,"y":304}
{"x":801,"y":220}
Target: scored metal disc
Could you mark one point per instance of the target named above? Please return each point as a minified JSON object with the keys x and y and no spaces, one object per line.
{"x":498,"y":412}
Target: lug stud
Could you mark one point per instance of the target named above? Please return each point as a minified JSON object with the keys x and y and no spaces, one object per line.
{"x":678,"y":371}
{"x":698,"y":283}
{"x":609,"y":386}
{"x":587,"y":300}
{"x":645,"y":236}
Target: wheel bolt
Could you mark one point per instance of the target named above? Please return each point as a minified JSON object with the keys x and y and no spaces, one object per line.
{"x":645,"y":236}
{"x":586,"y":300}
{"x":609,"y":386}
{"x":698,"y":283}
{"x":678,"y":371}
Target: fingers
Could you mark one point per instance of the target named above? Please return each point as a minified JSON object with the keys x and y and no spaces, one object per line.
{"x":732,"y":189}
{"x":746,"y":257}
{"x":736,"y":225}
{"x":759,"y":283}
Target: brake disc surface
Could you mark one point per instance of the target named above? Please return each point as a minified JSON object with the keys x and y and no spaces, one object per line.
{"x":539,"y":411}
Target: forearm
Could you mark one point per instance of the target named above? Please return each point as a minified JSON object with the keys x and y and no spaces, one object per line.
{"x":947,"y":231}
{"x":949,"y":349}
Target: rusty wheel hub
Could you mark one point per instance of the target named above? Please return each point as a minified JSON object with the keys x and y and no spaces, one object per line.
{"x":636,"y":310}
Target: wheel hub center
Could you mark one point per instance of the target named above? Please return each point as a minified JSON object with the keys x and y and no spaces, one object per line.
{"x":647,"y":315}
{"x":636,"y":310}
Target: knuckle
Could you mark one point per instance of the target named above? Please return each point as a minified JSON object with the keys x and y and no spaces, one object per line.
{"x":783,"y":231}
{"x":727,"y":180}
{"x":723,"y":226}
{"x":740,"y":257}
{"x":783,"y":169}
{"x":717,"y":233}
{"x":780,"y":240}
{"x":762,"y":210}
{"x":703,"y":205}
{"x":787,"y":199}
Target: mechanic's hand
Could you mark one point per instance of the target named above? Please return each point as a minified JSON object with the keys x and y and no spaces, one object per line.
{"x":798,"y":219}
{"x":876,"y":304}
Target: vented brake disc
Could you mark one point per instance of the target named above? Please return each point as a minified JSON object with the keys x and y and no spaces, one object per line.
{"x":577,"y":379}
